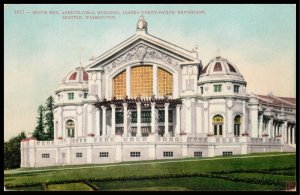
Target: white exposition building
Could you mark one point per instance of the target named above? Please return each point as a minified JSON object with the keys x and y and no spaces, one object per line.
{"x":149,"y":99}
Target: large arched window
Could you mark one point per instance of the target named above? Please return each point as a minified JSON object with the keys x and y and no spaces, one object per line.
{"x":119,"y":85}
{"x":142,"y":81}
{"x":218,"y":122}
{"x":70,"y":128}
{"x":237,"y":125}
{"x":165,"y":83}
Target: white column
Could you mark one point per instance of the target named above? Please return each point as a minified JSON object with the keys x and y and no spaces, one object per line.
{"x":288,"y":134}
{"x":125,"y":119}
{"x":155,"y":84}
{"x":153,"y":117}
{"x":167,"y":119}
{"x":206,"y":121}
{"x":138,"y":109}
{"x":113,"y":119}
{"x":293,"y":135}
{"x":128,"y":81}
{"x":283,"y":132}
{"x":230,"y":119}
{"x":177,"y":129}
{"x":244,"y":117}
{"x":261,"y":125}
{"x":90,"y":120}
{"x":97,"y":122}
{"x":270,"y":124}
{"x":254,"y":122}
{"x":103,"y":120}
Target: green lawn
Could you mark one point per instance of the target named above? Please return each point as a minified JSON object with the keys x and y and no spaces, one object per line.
{"x":69,"y":187}
{"x":178,"y":184}
{"x":136,"y":171}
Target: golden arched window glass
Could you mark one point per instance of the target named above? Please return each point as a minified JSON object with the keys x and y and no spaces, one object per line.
{"x":119,"y":85}
{"x":142,"y":81}
{"x":165,"y":82}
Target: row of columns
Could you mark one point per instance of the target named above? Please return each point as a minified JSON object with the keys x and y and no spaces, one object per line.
{"x":283,"y":128}
{"x":139,"y":124}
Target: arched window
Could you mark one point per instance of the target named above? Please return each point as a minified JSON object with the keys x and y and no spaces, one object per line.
{"x":237,"y":125}
{"x":165,"y":83}
{"x":70,"y":128}
{"x":218,"y":122}
{"x":142,"y":81}
{"x":119,"y":85}
{"x":218,"y":67}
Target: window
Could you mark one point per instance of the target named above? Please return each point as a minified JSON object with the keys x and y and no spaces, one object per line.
{"x":70,"y":127}
{"x":119,"y":117}
{"x":231,"y":68}
{"x":161,"y":116}
{"x":236,"y":89}
{"x":218,"y":121}
{"x":227,"y":153}
{"x":85,"y":95}
{"x":165,"y":82}
{"x":197,"y":154}
{"x":58,"y":97}
{"x":146,"y":116}
{"x":133,"y":117}
{"x":142,"y":81}
{"x":45,"y":155}
{"x":79,"y":155}
{"x":170,"y":116}
{"x":119,"y":85}
{"x":168,"y":154}
{"x":71,"y":96}
{"x":135,"y":154}
{"x":201,"y":90}
{"x":217,"y":88}
{"x":237,"y":125}
{"x":103,"y":154}
{"x":218,"y":67}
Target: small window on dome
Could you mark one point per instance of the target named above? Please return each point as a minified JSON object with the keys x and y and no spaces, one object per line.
{"x":218,"y":67}
{"x":85,"y":76}
{"x":231,"y":68}
{"x":73,"y":76}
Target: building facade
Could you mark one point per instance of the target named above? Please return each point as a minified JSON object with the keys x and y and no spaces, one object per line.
{"x":149,"y":99}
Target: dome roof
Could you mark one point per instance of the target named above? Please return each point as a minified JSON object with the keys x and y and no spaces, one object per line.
{"x":79,"y":75}
{"x":218,"y":68}
{"x":75,"y":80}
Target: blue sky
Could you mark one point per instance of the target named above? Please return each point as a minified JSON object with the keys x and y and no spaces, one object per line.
{"x":40,"y":49}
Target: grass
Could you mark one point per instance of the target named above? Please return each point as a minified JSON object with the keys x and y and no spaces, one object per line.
{"x":134,"y":169}
{"x":69,"y":187}
{"x":179,"y":184}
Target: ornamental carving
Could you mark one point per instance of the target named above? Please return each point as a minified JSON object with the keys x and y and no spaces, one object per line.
{"x":141,"y":52}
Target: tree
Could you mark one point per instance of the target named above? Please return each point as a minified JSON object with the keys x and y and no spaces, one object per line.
{"x":39,"y":133}
{"x":12,"y":154}
{"x":49,"y":125}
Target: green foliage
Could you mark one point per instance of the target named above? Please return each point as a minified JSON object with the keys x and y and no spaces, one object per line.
{"x":39,"y":133}
{"x":45,"y":126}
{"x":12,"y":154}
{"x":49,"y":125}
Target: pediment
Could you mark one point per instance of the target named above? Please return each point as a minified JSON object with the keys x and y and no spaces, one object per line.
{"x":143,"y":48}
